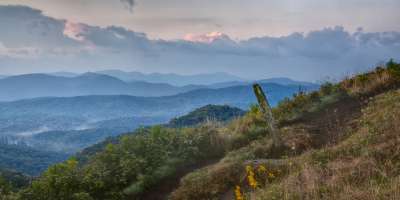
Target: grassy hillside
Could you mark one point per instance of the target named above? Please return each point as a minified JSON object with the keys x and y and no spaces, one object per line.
{"x":341,"y":142}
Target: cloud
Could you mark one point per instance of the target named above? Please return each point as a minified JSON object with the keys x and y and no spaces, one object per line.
{"x":27,"y":52}
{"x":206,"y":38}
{"x":74,"y":31}
{"x":34,"y":42}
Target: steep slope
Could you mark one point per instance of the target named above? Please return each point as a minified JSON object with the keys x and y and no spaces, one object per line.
{"x":340,"y":146}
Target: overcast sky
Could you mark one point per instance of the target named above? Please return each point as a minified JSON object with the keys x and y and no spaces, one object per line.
{"x":171,"y":19}
{"x":301,"y":39}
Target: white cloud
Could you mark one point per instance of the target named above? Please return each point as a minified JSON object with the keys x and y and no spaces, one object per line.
{"x":206,"y":38}
{"x":21,"y":52}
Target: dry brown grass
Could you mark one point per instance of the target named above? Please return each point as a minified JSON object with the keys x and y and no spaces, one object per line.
{"x":365,"y":166}
{"x":370,"y":83}
{"x":360,"y":160}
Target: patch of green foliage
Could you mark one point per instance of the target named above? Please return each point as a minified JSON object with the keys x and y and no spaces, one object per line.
{"x":394,"y":68}
{"x":210,"y":112}
{"x":28,"y":160}
{"x":302,"y":103}
{"x":16,"y":179}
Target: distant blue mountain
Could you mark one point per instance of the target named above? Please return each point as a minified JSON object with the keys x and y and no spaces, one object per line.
{"x":287,"y":81}
{"x":60,"y":110}
{"x":173,"y":79}
{"x":280,"y":81}
{"x":43,"y":85}
{"x":65,"y":84}
{"x":64,"y":74}
{"x":69,"y":124}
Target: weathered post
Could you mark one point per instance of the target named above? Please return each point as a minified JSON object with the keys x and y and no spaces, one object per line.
{"x":267,"y":111}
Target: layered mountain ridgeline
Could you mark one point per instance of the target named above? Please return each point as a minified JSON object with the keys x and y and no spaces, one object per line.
{"x":173,"y":79}
{"x":26,"y":118}
{"x":215,"y":80}
{"x":43,"y":85}
{"x":64,"y":126}
{"x":65,"y":84}
{"x":100,"y":107}
{"x":340,"y":142}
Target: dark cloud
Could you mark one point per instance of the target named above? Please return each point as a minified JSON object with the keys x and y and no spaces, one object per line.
{"x":26,"y":27}
{"x":63,"y":45}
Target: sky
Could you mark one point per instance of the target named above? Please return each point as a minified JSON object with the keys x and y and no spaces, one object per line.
{"x":299,"y":39}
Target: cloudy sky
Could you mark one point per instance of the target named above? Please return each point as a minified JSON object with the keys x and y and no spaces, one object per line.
{"x":300,"y":39}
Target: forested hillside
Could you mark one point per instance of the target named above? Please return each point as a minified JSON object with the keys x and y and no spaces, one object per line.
{"x":207,"y":113}
{"x":341,"y":142}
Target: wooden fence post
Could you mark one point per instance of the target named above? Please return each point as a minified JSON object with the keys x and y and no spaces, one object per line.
{"x":267,"y":111}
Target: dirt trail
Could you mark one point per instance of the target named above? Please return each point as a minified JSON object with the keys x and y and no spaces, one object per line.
{"x":331,"y":124}
{"x":167,"y":186}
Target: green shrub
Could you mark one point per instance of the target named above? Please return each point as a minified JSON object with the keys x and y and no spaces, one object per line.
{"x":394,"y":68}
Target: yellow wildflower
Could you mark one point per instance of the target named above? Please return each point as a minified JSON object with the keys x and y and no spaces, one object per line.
{"x":262,"y":169}
{"x":251,"y":177}
{"x":271,"y":175}
{"x":248,"y":169}
{"x":238,"y":193}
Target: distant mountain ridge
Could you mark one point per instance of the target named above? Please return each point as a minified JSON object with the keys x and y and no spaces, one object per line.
{"x":69,"y":124}
{"x":70,"y":113}
{"x":65,"y":84}
{"x":173,"y":79}
{"x":103,"y":107}
{"x":44,"y":85}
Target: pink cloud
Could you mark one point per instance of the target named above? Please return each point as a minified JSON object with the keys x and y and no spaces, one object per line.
{"x":74,"y":31}
{"x":205,"y":38}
